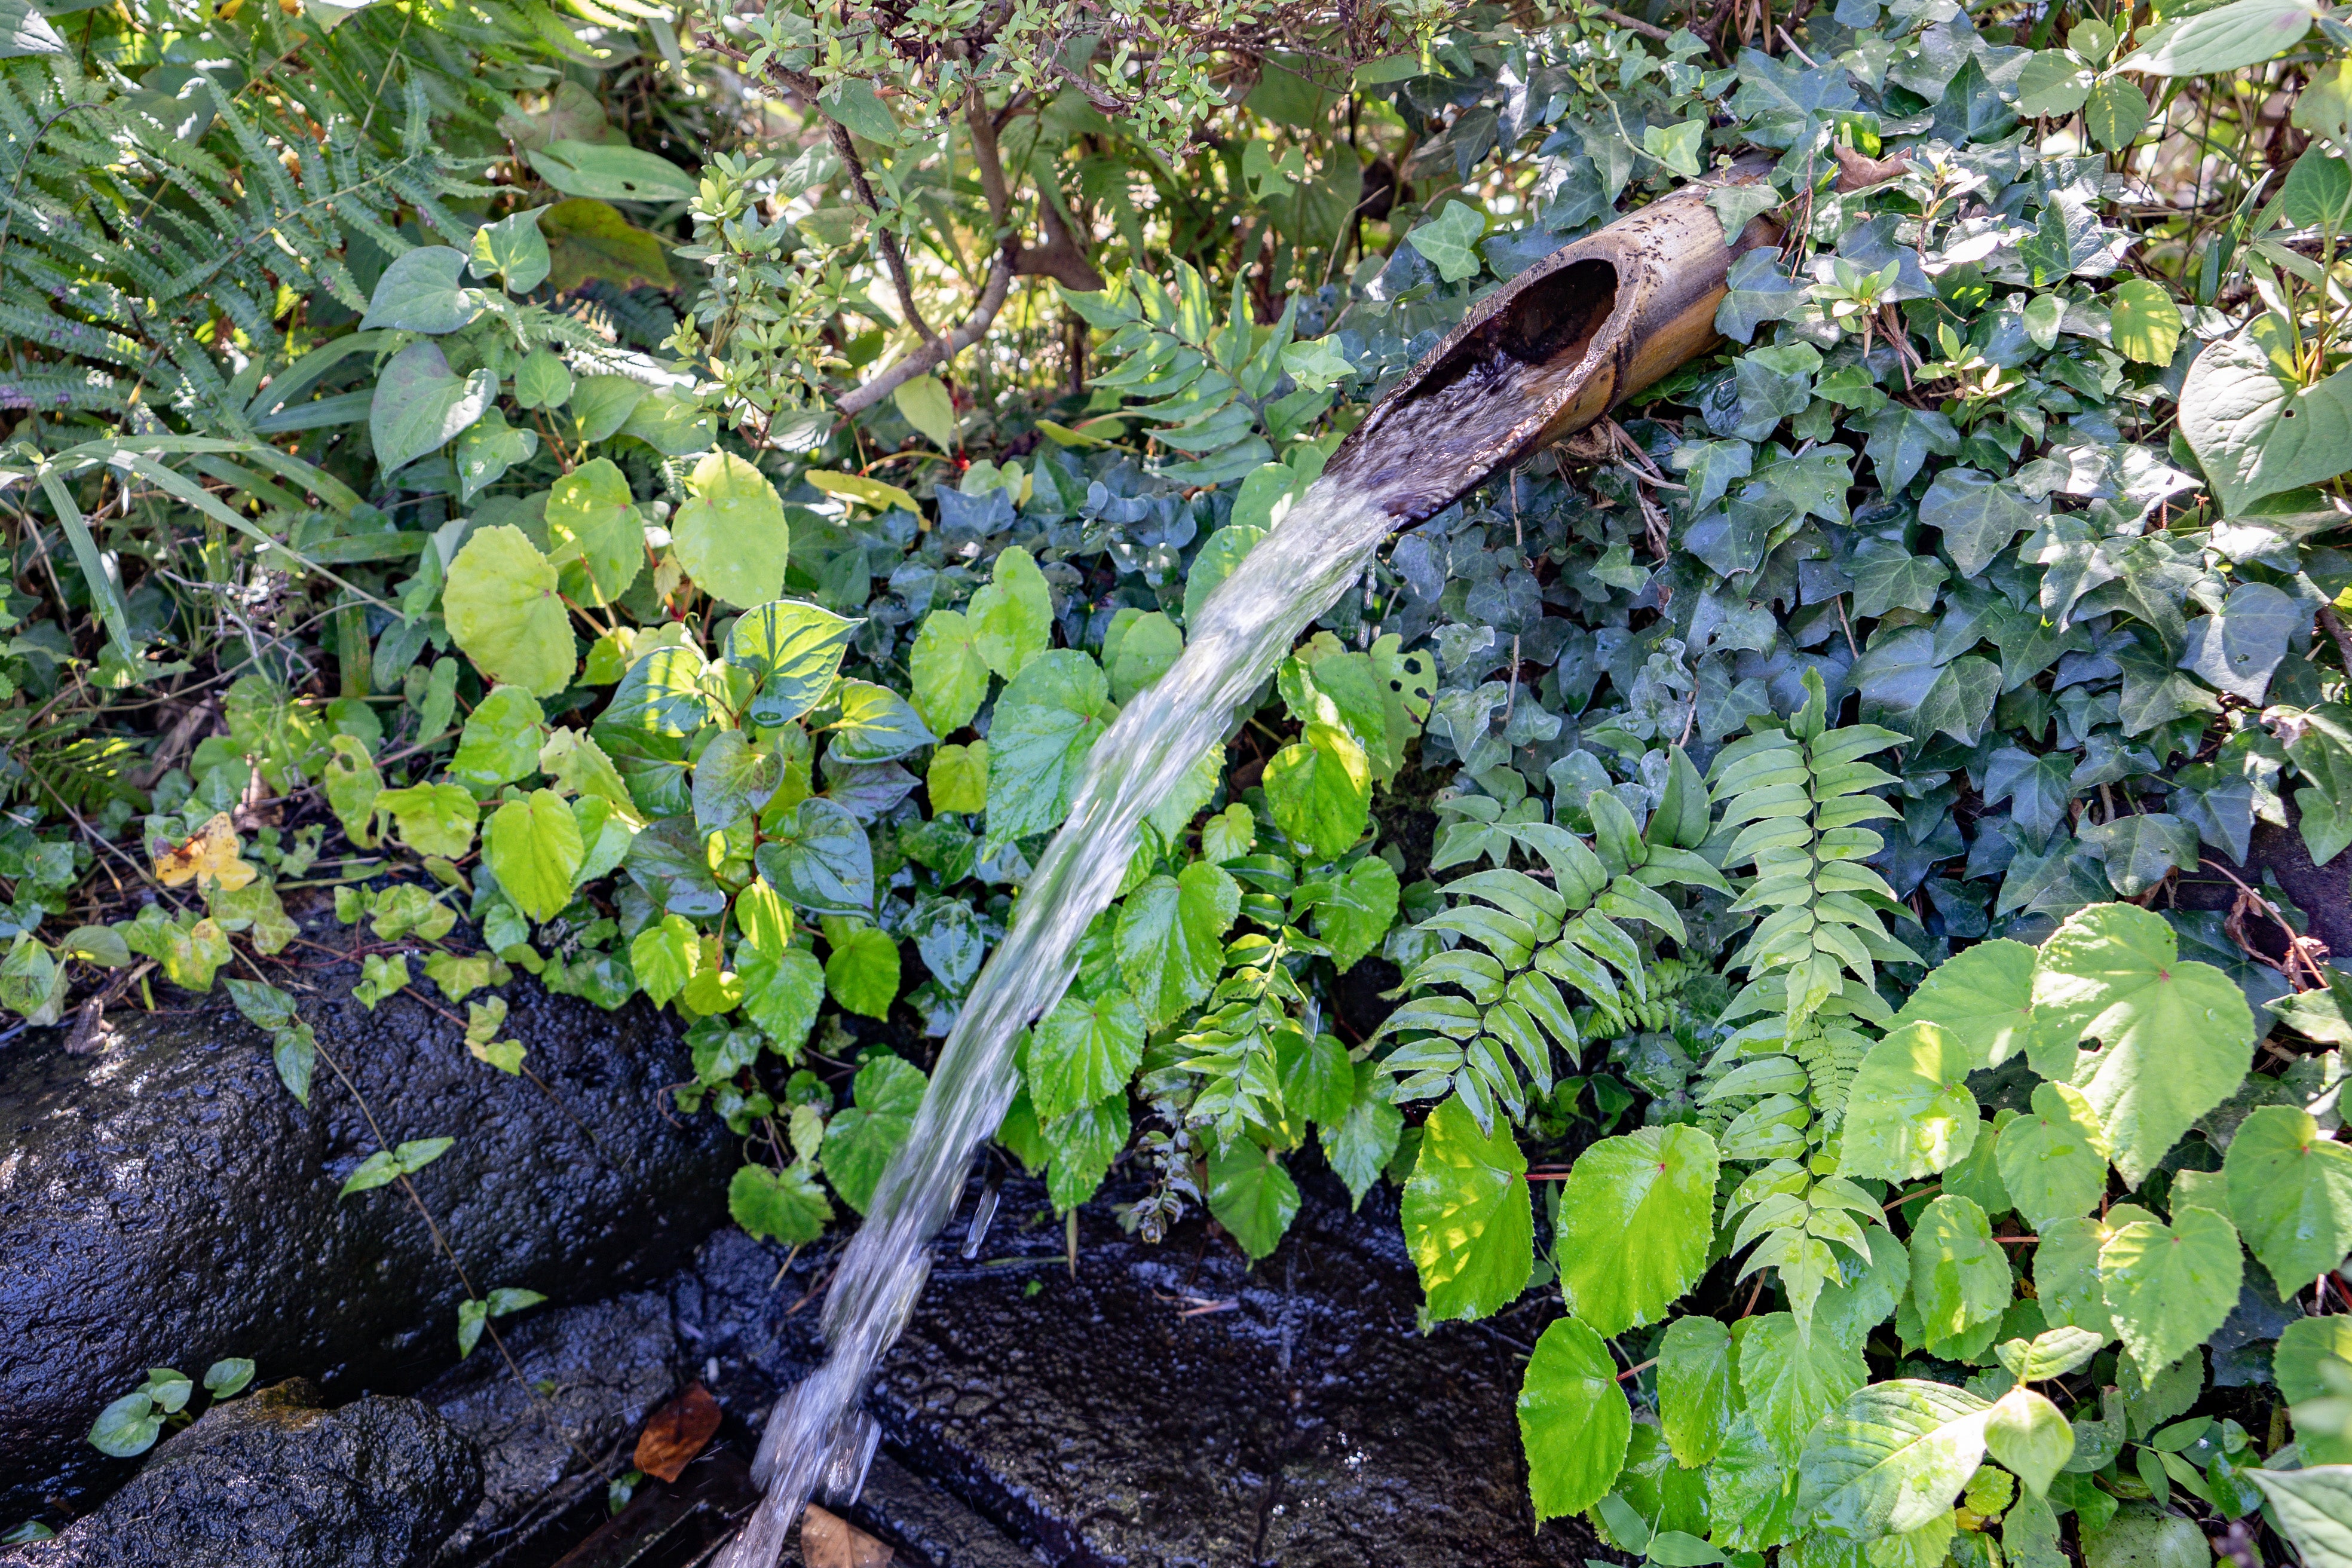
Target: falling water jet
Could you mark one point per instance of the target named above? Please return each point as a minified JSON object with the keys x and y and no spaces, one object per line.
{"x":1543,"y":357}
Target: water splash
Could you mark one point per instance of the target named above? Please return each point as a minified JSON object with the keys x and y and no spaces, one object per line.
{"x":1548,"y":355}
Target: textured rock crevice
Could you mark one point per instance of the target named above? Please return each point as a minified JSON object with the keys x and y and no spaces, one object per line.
{"x":167,"y":1202}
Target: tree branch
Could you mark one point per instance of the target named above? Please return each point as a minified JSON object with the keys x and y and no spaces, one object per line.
{"x":936,"y":351}
{"x":1061,"y":257}
{"x":892,"y":256}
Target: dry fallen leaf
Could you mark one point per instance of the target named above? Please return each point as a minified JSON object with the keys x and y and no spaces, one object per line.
{"x":1857,"y":172}
{"x":828,"y":1541}
{"x":676,"y":1434}
{"x":210,"y":856}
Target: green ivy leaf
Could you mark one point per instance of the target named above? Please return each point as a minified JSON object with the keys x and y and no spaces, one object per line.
{"x":1468,"y":1220}
{"x":2169,"y":1285}
{"x":1083,"y":1050}
{"x":502,"y":609}
{"x":862,"y":973}
{"x":1449,"y":240}
{"x":534,"y":846}
{"x":420,"y":293}
{"x":1792,"y":1379}
{"x":1171,"y":939}
{"x":1696,"y":1400}
{"x":1574,"y":1420}
{"x":860,"y":1140}
{"x":2178,"y":1035}
{"x":731,"y":537}
{"x":1357,"y":1146}
{"x":1357,"y":913}
{"x":1636,"y":1218}
{"x":2026,"y":1432}
{"x":1319,"y":790}
{"x":2290,"y":1187}
{"x":1909,"y":1112}
{"x":785,"y":1206}
{"x":1252,"y":1196}
{"x":1959,"y":1277}
{"x":1981,"y":998}
{"x":1978,"y":517}
{"x":1756,"y":291}
{"x":821,"y":859}
{"x":1045,"y":722}
{"x":1891,"y":1460}
{"x":1012,"y":616}
{"x":2255,"y":430}
{"x":793,"y":650}
{"x":420,"y":403}
{"x":2054,"y":1159}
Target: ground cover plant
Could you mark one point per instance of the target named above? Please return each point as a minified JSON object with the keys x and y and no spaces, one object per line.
{"x":664,"y":501}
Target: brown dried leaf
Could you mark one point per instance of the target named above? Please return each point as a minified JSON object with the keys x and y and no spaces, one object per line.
{"x":1857,"y":172}
{"x":676,"y":1434}
{"x":828,"y":1541}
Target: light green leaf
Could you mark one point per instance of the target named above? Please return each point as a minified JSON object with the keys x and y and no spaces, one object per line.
{"x":1357,"y":1147}
{"x":793,"y":650}
{"x":1909,"y":1112}
{"x":1982,"y":998}
{"x":2054,"y":1353}
{"x":502,"y":609}
{"x":863,"y":972}
{"x":1319,"y":790}
{"x":2245,"y":34}
{"x":2304,"y":1346}
{"x":1892,"y":1457}
{"x":1357,"y":912}
{"x":433,"y":819}
{"x":1045,"y":722}
{"x":664,"y":956}
{"x":1959,"y":1277}
{"x":1636,"y":1216}
{"x":2143,"y":1535}
{"x":534,"y":847}
{"x":2179,"y":1034}
{"x":1449,"y":240}
{"x":1696,"y":1400}
{"x":2313,"y":1509}
{"x":2054,"y":1159}
{"x":1082,"y":1146}
{"x":1139,"y":650}
{"x":924,"y":403}
{"x":595,"y":533}
{"x":420,"y":403}
{"x":1083,"y":1050}
{"x":2115,"y":115}
{"x":543,"y":380}
{"x":1252,"y":1196}
{"x":1792,"y":1379}
{"x":785,"y":1206}
{"x":731,"y":537}
{"x":2169,"y":1285}
{"x":1223,"y":551}
{"x":1676,"y":146}
{"x":1574,"y":1420}
{"x":2257,"y":430}
{"x":502,"y":740}
{"x":2290,"y":1187}
{"x":1316,"y":364}
{"x":129,"y":1426}
{"x":1468,"y":1221}
{"x":782,"y":994}
{"x":420,"y":293}
{"x":958,"y":778}
{"x":1012,"y":616}
{"x":2026,"y":1432}
{"x":2317,"y":192}
{"x":860,"y":1140}
{"x":611,"y":172}
{"x":513,"y":248}
{"x":950,"y":678}
{"x":24,"y":31}
{"x":1171,"y":939}
{"x":2145,"y":321}
{"x":852,"y":102}
{"x":733,"y":777}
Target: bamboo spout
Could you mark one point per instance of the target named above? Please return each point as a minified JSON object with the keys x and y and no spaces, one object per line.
{"x":1553,"y":351}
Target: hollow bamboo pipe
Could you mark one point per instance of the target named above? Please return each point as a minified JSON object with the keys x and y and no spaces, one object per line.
{"x":1554,"y":350}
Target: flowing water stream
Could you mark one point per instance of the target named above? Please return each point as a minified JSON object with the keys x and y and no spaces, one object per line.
{"x":1450,"y":425}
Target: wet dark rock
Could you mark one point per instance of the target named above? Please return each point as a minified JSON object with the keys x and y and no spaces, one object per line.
{"x":275,"y":1478}
{"x":591,"y":1376}
{"x":2323,"y":894}
{"x":166,"y":1203}
{"x":1300,"y":1420}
